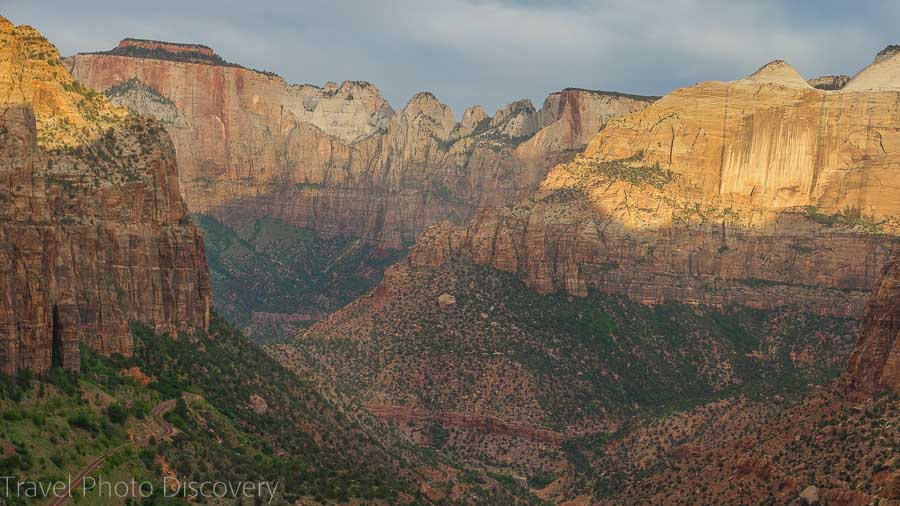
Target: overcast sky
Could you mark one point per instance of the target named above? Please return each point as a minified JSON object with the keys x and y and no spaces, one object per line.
{"x":488,"y":52}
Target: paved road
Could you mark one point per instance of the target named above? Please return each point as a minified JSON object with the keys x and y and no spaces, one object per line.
{"x":166,"y":431}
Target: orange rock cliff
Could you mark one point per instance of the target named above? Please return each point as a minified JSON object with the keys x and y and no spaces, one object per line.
{"x":763,"y":191}
{"x":338,"y":158}
{"x":93,"y":230}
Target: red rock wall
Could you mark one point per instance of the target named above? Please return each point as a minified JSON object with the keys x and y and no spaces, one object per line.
{"x":824,"y":272}
{"x":875,"y":363}
{"x":77,"y":265}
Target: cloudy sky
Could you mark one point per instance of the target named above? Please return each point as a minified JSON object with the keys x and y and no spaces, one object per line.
{"x":488,"y":52}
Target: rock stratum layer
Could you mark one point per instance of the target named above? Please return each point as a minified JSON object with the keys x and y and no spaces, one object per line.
{"x":338,"y":159}
{"x":762,"y":191}
{"x":93,"y":229}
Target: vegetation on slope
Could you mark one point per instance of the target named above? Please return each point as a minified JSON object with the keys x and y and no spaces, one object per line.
{"x":741,"y":452}
{"x":553,"y":368}
{"x":50,"y":427}
{"x":579,"y":357}
{"x":271,"y":277}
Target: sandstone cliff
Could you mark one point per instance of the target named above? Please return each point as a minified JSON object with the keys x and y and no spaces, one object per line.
{"x":338,"y":159}
{"x":763,"y":191}
{"x":93,"y":229}
{"x":875,"y":363}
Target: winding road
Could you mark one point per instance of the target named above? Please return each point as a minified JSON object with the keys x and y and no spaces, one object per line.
{"x":166,"y":431}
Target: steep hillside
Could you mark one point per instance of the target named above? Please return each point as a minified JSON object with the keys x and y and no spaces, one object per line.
{"x":875,"y":363}
{"x":761,"y":191}
{"x":467,"y":359}
{"x":840,"y":445}
{"x":243,"y":418}
{"x":93,"y":230}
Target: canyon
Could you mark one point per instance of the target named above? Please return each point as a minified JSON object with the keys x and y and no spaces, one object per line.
{"x":609,"y":299}
{"x":336,"y":160}
{"x":763,"y":202}
{"x":93,"y":230}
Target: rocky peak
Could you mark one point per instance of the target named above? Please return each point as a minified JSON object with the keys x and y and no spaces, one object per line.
{"x":888,"y":52}
{"x":90,"y":216}
{"x":66,"y":113}
{"x":353,"y":89}
{"x":172,"y":51}
{"x":778,"y":72}
{"x":425,"y":109}
{"x":882,"y":75}
{"x":471,"y":118}
{"x":829,"y":83}
{"x":516,"y":120}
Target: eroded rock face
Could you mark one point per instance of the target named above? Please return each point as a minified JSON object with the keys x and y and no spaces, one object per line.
{"x":829,"y":82}
{"x":881,"y":75}
{"x":93,"y":229}
{"x":875,"y":362}
{"x":764,"y":191}
{"x":338,"y":159}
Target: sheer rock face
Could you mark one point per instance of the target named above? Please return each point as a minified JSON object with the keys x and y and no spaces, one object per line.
{"x":763,"y":191}
{"x":875,"y":363}
{"x":338,"y":159}
{"x":93,"y":229}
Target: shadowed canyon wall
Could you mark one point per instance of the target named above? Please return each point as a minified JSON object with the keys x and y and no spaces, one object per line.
{"x":875,"y":363}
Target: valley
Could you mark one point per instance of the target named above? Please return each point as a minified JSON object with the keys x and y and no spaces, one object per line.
{"x":208,"y":273}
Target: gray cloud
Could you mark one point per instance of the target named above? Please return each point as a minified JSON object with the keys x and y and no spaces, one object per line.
{"x":489,"y":52}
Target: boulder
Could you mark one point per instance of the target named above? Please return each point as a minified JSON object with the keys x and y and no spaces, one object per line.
{"x":446,"y":301}
{"x":810,"y":495}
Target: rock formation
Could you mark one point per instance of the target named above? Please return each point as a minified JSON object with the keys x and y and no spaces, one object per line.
{"x":829,"y":82}
{"x":762,"y":191}
{"x":881,"y":75}
{"x":875,"y":362}
{"x":93,"y":230}
{"x":168,"y":47}
{"x":338,"y":159}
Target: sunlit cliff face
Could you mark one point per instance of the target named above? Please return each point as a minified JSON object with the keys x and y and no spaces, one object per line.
{"x":93,"y":231}
{"x":66,"y":113}
{"x":763,"y":191}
